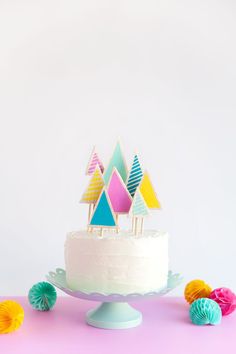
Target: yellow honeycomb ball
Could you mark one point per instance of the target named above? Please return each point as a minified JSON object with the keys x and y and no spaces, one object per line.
{"x":196,"y":289}
{"x":11,"y":316}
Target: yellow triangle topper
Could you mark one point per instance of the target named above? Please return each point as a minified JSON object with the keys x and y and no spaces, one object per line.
{"x":148,"y":192}
{"x":94,"y":188}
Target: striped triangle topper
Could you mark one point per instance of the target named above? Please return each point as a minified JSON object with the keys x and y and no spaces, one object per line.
{"x":93,"y":162}
{"x":139,"y":207}
{"x":95,"y":186}
{"x":135,"y":176}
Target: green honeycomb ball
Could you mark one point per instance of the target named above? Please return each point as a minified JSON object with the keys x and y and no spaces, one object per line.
{"x":205,"y":311}
{"x":42,"y":296}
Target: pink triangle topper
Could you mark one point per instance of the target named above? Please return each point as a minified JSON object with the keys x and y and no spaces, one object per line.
{"x":118,"y":193}
{"x":93,"y":162}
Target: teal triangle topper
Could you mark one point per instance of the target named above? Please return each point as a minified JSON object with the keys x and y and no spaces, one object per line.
{"x":139,"y":208}
{"x":135,"y":176}
{"x":103,"y":214}
{"x":118,"y":161}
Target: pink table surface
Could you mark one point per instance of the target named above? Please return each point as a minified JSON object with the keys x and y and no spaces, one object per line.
{"x":165,"y":329}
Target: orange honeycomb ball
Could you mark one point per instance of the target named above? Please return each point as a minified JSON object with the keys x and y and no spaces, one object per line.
{"x":11,"y":316}
{"x":196,"y":289}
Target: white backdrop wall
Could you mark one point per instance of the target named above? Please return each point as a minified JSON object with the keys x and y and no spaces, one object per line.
{"x":159,"y":74}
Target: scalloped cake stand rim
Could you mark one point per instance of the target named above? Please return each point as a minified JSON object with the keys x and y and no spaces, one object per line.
{"x":114,"y":312}
{"x":58,"y":279}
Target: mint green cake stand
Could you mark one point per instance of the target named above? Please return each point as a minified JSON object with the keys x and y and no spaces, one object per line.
{"x":114,"y":312}
{"x":114,"y":315}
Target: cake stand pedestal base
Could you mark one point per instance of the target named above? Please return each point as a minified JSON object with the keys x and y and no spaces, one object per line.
{"x":114,"y":315}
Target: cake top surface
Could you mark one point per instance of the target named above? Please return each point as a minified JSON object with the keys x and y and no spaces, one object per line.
{"x":110,"y":234}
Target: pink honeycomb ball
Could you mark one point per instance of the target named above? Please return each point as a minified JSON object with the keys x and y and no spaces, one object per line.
{"x":225,"y":298}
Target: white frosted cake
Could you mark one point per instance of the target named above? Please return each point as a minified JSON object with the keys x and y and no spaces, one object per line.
{"x":116,"y":262}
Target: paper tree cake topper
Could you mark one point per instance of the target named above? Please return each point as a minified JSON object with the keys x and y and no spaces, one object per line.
{"x":93,"y":191}
{"x":103,"y":215}
{"x":139,"y":207}
{"x":119,"y":196}
{"x":118,"y":161}
{"x":139,"y":210}
{"x":93,"y":162}
{"x":148,"y":192}
{"x":116,"y":192}
{"x":135,"y":176}
{"x":94,"y":188}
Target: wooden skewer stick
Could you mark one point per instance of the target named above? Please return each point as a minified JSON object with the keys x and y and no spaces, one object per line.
{"x":132,"y":224}
{"x":141,"y":226}
{"x":91,"y":208}
{"x":89,"y":212}
{"x":136,"y":226}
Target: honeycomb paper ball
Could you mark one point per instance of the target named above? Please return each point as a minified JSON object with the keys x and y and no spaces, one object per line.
{"x":11,"y":316}
{"x":205,"y":311}
{"x":196,"y":289}
{"x":225,"y":298}
{"x":42,"y":296}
